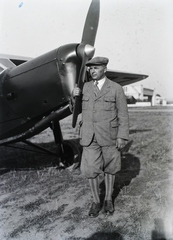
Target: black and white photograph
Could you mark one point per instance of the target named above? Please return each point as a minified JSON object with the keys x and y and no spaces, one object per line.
{"x":86,"y":120}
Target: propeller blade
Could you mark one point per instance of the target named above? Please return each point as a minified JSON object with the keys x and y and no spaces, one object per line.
{"x":86,"y":50}
{"x":91,"y":23}
{"x":77,"y":98}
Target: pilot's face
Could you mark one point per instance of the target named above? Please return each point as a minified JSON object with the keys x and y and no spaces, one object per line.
{"x":97,"y":72}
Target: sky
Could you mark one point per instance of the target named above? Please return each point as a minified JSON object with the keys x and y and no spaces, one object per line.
{"x":136,"y":35}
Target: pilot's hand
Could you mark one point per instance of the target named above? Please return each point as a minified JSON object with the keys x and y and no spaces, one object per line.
{"x":76,"y":92}
{"x":120,"y":143}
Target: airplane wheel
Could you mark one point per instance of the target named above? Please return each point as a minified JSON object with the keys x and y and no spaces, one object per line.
{"x":72,"y":152}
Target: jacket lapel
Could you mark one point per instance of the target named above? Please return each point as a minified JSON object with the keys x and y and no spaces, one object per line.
{"x":91,"y":89}
{"x":104,"y":90}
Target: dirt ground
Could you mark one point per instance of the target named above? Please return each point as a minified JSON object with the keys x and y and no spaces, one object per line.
{"x":40,"y":201}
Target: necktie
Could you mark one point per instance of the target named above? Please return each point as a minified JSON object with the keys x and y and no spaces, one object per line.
{"x":97,"y":90}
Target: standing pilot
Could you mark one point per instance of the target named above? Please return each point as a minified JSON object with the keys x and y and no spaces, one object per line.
{"x":104,"y":131}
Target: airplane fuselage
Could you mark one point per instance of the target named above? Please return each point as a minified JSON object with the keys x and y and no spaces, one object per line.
{"x":32,"y":90}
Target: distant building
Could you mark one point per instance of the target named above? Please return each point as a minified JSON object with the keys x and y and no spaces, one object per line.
{"x":159,"y":100}
{"x":138,"y":95}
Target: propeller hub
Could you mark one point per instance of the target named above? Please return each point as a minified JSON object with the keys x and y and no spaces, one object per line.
{"x":85,"y":50}
{"x":89,"y":50}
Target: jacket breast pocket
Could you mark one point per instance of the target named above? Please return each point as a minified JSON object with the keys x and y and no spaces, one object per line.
{"x":109,"y":103}
{"x":85,"y":102}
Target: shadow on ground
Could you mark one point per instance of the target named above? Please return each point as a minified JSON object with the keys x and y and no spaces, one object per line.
{"x":130,"y":168}
{"x":159,"y":232}
{"x":132,"y":131}
{"x":105,"y":236}
{"x":20,"y":156}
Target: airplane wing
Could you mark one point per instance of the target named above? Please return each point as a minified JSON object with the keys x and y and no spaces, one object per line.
{"x":124,"y":78}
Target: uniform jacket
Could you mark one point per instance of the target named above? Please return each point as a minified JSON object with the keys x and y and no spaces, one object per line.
{"x":105,"y":115}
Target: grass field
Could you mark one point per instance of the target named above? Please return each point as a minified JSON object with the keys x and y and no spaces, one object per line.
{"x":41,"y":202}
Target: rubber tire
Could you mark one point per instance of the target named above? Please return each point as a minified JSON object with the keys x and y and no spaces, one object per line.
{"x":72,"y":152}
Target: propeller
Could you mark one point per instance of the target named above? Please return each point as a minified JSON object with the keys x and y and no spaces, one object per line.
{"x":86,"y":49}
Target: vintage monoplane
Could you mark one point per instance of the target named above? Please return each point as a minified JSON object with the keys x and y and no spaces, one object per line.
{"x":35,"y":93}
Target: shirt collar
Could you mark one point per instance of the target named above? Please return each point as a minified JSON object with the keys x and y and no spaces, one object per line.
{"x":101,"y":81}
